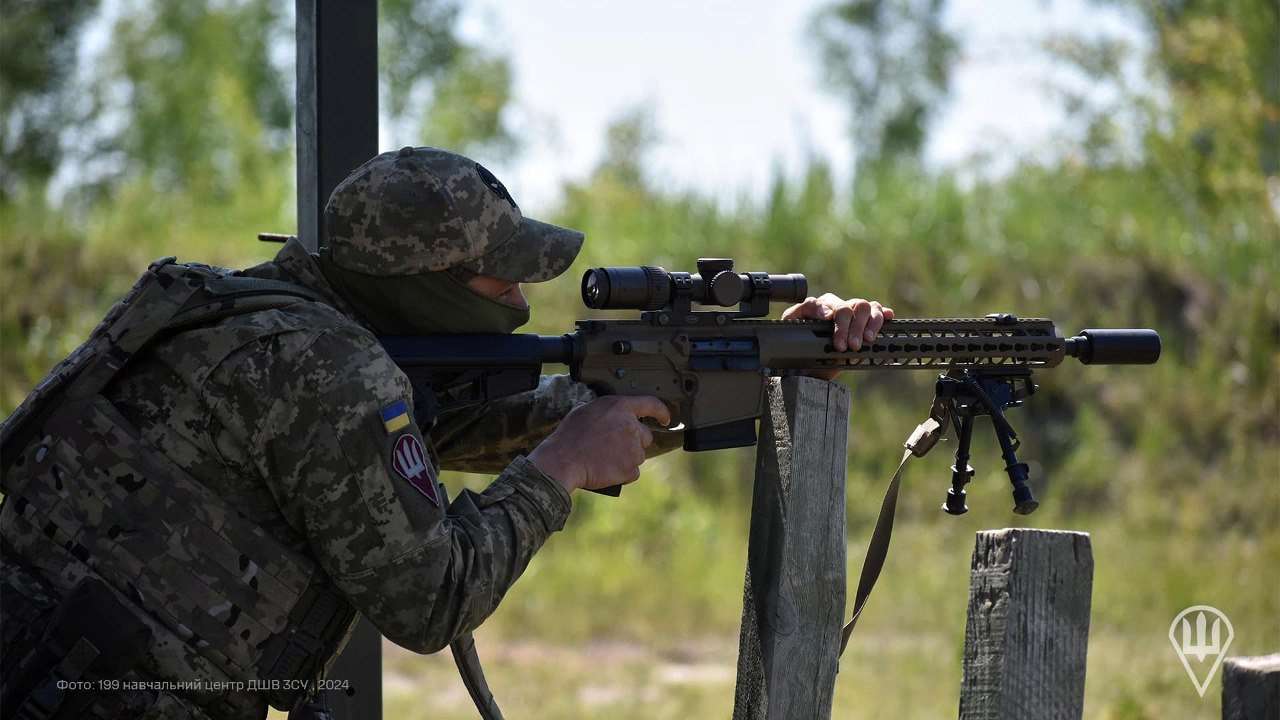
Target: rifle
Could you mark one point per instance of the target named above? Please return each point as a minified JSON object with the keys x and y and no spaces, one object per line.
{"x":710,"y":365}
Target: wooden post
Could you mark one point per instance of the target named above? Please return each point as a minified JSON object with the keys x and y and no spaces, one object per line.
{"x":1028,"y":628}
{"x":337,"y":130}
{"x":795,"y":585}
{"x":1251,"y":688}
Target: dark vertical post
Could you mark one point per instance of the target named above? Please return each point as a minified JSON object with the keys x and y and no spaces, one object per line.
{"x":337,"y":100}
{"x":795,"y":582}
{"x":1251,"y":688}
{"x":337,"y":111}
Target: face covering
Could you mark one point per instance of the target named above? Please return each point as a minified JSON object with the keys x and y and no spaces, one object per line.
{"x":433,"y":302}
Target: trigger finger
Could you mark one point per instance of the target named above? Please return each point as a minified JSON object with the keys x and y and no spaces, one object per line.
{"x":647,"y":406}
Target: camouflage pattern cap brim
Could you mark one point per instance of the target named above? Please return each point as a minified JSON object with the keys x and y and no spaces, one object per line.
{"x":536,"y":253}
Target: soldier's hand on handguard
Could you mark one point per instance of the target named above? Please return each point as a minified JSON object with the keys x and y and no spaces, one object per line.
{"x":857,"y":321}
{"x":601,"y":443}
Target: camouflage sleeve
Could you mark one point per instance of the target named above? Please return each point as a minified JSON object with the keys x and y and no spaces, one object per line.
{"x":341,"y":453}
{"x":485,"y":439}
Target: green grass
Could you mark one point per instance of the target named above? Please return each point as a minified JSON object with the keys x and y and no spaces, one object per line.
{"x":904,"y":661}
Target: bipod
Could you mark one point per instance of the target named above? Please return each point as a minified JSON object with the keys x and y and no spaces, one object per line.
{"x":969,"y":392}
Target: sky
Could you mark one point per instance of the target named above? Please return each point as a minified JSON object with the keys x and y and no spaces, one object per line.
{"x":735,"y":90}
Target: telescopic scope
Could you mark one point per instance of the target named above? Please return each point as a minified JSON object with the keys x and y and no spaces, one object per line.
{"x":646,"y":287}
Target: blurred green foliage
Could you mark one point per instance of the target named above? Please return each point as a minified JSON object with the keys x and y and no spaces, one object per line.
{"x":891,"y":61}
{"x":37,"y":56}
{"x":1162,"y":212}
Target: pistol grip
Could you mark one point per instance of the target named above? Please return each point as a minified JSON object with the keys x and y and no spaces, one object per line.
{"x":611,"y":491}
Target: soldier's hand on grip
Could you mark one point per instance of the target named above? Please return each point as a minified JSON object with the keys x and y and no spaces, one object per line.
{"x":600,"y":444}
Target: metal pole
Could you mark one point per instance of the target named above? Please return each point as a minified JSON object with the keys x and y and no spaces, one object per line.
{"x":337,"y":111}
{"x":337,"y":100}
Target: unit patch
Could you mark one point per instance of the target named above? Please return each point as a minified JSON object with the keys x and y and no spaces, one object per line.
{"x":409,"y":460}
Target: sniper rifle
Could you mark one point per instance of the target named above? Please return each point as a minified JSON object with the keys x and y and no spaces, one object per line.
{"x":701,"y":345}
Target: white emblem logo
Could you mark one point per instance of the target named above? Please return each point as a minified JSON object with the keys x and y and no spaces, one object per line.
{"x":1193,"y":637}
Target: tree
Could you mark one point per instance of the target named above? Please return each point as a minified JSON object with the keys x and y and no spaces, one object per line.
{"x":196,"y":96}
{"x":890,"y":60}
{"x":467,"y":105}
{"x":1209,"y":122}
{"x":37,"y":57}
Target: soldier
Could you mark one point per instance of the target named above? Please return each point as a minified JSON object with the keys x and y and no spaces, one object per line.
{"x":201,"y":498}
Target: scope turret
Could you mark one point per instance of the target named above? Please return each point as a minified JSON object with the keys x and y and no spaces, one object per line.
{"x":646,"y":287}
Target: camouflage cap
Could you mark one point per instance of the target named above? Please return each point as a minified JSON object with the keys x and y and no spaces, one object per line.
{"x":422,"y":209}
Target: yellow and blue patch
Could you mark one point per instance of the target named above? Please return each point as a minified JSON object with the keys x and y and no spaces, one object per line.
{"x":395,"y":416}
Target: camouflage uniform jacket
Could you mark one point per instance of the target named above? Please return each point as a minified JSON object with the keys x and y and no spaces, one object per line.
{"x":296,"y":415}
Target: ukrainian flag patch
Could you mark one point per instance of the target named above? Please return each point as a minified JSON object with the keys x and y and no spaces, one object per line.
{"x":395,"y":416}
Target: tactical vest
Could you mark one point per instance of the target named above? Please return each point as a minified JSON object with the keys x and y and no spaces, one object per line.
{"x":89,"y":506}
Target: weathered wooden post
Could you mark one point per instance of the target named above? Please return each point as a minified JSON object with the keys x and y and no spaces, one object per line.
{"x":1028,"y":628}
{"x":1251,"y":688}
{"x":795,"y":586}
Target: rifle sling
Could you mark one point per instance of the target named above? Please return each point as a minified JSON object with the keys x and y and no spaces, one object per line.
{"x":921,"y":440}
{"x":468,"y":662}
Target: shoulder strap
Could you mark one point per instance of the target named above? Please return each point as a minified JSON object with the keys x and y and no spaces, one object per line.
{"x":227,"y":295}
{"x":127,"y":327}
{"x":184,"y":296}
{"x":922,"y":439}
{"x":168,"y":297}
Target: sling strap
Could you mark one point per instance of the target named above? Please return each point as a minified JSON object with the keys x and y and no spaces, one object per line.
{"x":922,"y":439}
{"x":468,"y":662}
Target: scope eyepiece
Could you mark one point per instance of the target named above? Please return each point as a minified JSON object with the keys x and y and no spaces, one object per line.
{"x":646,"y":287}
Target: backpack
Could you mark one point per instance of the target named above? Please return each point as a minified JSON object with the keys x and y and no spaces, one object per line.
{"x":89,"y":503}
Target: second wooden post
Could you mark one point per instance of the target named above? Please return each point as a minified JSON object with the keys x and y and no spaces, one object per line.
{"x":795,"y":585}
{"x":1027,"y":636}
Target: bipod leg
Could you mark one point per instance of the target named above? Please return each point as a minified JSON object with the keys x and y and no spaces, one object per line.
{"x":1024,"y":502}
{"x":961,"y":471}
